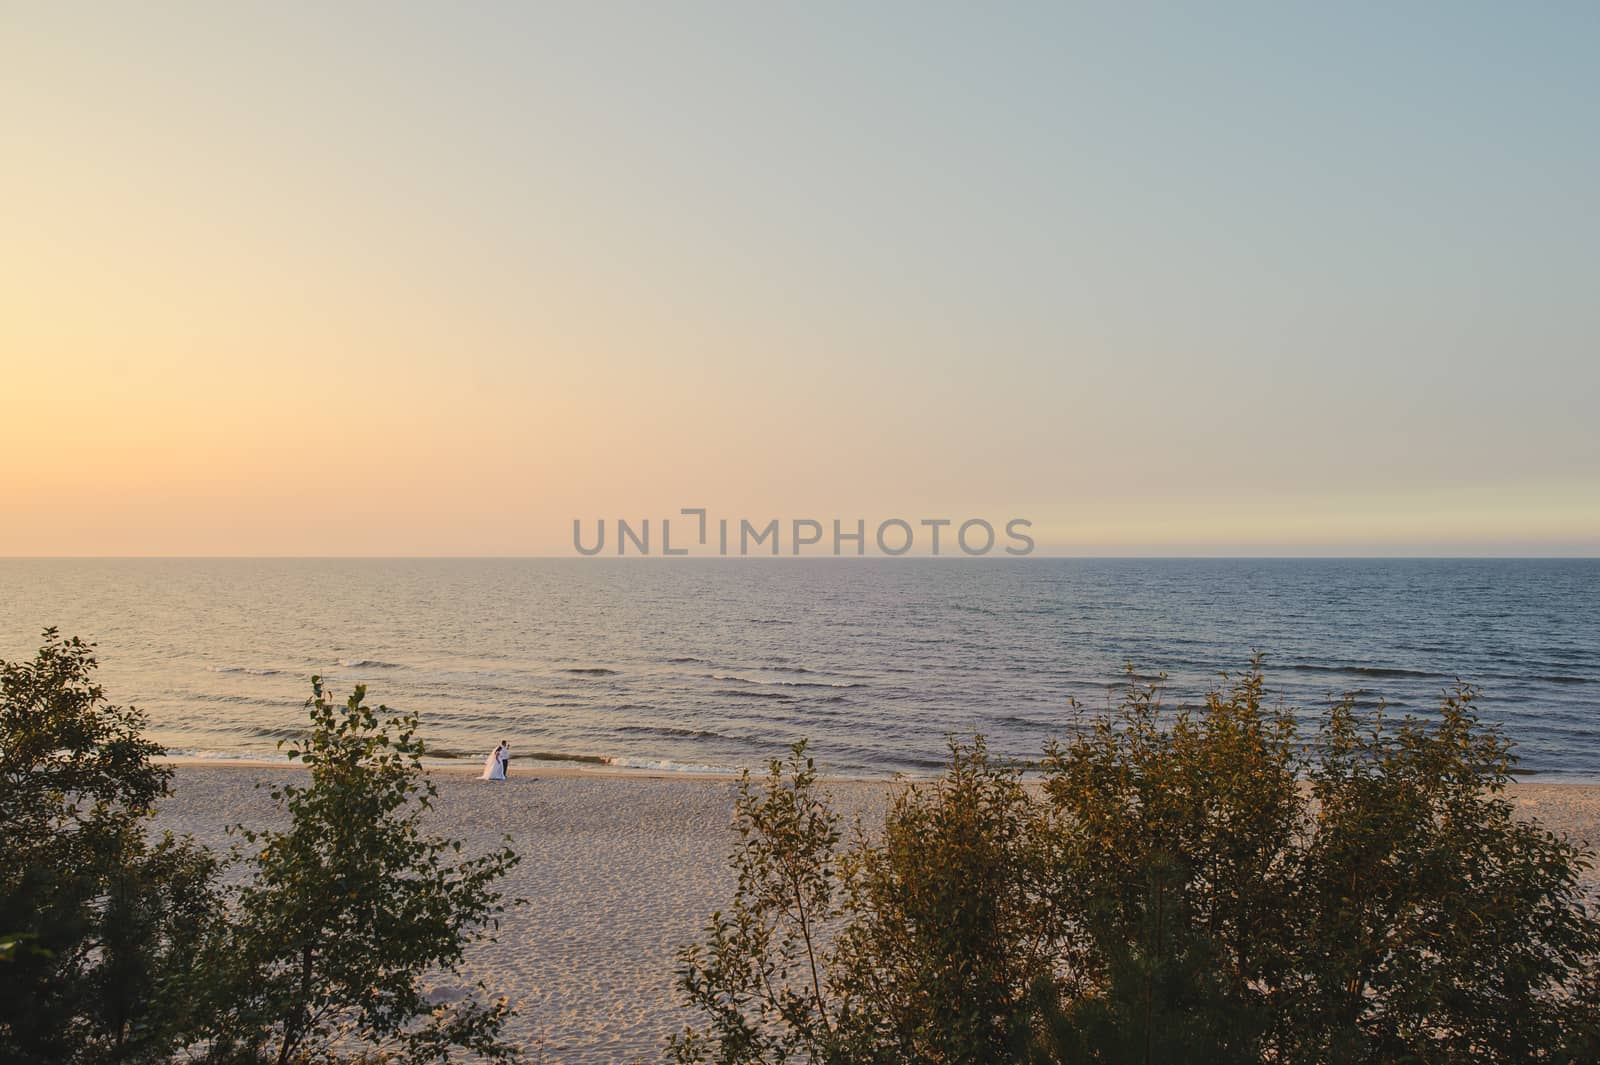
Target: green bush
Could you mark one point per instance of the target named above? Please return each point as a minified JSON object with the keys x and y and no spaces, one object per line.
{"x":101,"y":923}
{"x":117,"y":948}
{"x":1200,"y":886}
{"x":351,"y":905}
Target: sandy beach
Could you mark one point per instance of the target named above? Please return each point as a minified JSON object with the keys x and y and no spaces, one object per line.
{"x":620,"y":871}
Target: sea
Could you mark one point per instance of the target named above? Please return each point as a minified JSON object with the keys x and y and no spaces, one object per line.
{"x":713,"y":665}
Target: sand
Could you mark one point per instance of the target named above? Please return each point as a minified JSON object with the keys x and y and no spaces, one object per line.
{"x":620,"y":870}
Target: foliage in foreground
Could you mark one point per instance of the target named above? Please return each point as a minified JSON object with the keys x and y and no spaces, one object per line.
{"x":114,"y":948}
{"x":1196,"y":887}
{"x":351,"y":905}
{"x":101,"y":923}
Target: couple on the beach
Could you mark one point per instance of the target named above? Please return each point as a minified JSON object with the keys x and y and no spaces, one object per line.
{"x":494,"y":767}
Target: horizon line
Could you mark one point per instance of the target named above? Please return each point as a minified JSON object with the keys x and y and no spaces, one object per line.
{"x":816,"y":558}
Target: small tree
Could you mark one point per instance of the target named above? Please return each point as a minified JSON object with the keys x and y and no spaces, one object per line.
{"x":352,"y":904}
{"x":1175,"y":842}
{"x":919,"y":945}
{"x":101,"y":923}
{"x":1192,"y":887}
{"x":1431,"y":922}
{"x":760,"y":977}
{"x":949,"y":921}
{"x":1367,"y":899}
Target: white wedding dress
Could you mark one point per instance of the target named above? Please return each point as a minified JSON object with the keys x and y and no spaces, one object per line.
{"x":493,"y":767}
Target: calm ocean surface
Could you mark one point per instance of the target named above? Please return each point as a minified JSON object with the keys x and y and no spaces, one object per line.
{"x":720,"y":663}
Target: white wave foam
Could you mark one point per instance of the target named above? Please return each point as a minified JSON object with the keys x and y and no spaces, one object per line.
{"x":208,"y":755}
{"x":666,"y":765}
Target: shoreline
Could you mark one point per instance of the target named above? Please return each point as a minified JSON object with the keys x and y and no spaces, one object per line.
{"x":560,"y":768}
{"x":539,"y":768}
{"x":554,"y":770}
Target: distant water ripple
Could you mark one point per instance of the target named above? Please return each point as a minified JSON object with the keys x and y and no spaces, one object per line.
{"x":704,"y":664}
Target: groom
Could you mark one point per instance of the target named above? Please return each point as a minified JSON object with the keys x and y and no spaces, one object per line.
{"x":505,"y":757}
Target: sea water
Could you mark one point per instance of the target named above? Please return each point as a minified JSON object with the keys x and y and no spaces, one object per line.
{"x":718,"y":664}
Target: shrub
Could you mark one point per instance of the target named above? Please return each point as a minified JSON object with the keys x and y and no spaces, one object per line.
{"x":759,"y":977}
{"x":119,"y":948}
{"x":950,"y":923}
{"x":102,"y":924}
{"x":1429,"y":920}
{"x":351,"y":905}
{"x":1200,"y":886}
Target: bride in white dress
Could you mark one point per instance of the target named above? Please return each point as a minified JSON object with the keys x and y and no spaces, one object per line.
{"x":494,"y":767}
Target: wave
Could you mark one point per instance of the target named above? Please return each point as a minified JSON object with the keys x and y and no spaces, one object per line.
{"x":619,"y":761}
{"x":232,"y":699}
{"x":452,"y":754}
{"x":923,"y":763}
{"x":667,"y":765}
{"x":737,"y":694}
{"x":1122,"y":680}
{"x":211,"y":755}
{"x":268,"y":733}
{"x":622,"y":762}
{"x":560,"y":756}
{"x":1365,"y":671}
{"x":246,"y":669}
{"x":595,"y":671}
{"x":1024,"y":722}
{"x":668,"y":730}
{"x":369,"y":663}
{"x":736,"y":679}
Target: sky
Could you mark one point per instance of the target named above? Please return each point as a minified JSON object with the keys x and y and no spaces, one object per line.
{"x":386,"y":279}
